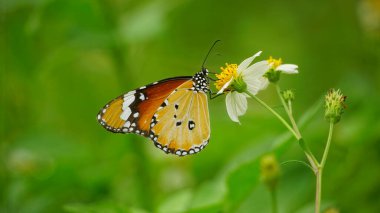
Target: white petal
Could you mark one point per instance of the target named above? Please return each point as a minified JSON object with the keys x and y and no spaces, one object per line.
{"x":257,"y":85}
{"x":288,"y":68}
{"x":257,"y":69}
{"x":224,"y":86}
{"x":264,"y":83}
{"x":243,"y":65}
{"x":254,"y":85}
{"x":236,"y":104}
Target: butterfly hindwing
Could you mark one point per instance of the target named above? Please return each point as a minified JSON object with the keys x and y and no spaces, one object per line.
{"x":133,"y":111}
{"x":181,"y":125}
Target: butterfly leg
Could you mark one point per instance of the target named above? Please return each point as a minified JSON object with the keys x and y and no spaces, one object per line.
{"x":212,"y":79}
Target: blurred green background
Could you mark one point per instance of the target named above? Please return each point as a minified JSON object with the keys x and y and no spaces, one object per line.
{"x":62,"y":60}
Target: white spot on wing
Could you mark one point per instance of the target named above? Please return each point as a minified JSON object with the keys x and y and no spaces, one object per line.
{"x":136,"y":115}
{"x":128,"y":100}
{"x":142,"y":96}
{"x":127,"y":124}
{"x":126,"y":113}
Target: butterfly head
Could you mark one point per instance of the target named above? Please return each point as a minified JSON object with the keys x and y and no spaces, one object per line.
{"x":200,"y":80}
{"x":204,"y":71}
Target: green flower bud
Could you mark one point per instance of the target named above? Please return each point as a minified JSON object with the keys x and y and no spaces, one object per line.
{"x":272,"y":75}
{"x":270,"y":171}
{"x":334,"y":105}
{"x":288,"y":95}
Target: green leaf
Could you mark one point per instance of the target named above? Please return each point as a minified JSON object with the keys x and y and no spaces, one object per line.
{"x":209,"y":197}
{"x":241,"y":183}
{"x":177,"y":202}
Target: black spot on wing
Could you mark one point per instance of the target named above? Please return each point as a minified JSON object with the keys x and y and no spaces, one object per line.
{"x":191,"y":125}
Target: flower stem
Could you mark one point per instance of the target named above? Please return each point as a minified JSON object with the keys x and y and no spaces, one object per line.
{"x":327,"y":148}
{"x":318,"y":191}
{"x":292,"y":119}
{"x":275,"y":114}
{"x":288,"y":109}
{"x":273,"y":195}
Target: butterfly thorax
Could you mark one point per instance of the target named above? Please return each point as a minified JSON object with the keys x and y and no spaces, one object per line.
{"x":200,"y":81}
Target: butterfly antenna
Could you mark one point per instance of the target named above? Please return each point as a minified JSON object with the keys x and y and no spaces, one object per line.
{"x":208,"y":53}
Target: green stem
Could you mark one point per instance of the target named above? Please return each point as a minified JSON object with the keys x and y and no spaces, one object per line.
{"x":288,"y":109}
{"x":309,"y":155}
{"x":273,"y":195}
{"x":292,"y":119}
{"x":327,"y":148}
{"x":275,"y":114}
{"x":281,"y":98}
{"x":318,"y":191}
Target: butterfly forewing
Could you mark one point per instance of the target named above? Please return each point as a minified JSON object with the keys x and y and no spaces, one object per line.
{"x":133,"y":111}
{"x":181,"y":125}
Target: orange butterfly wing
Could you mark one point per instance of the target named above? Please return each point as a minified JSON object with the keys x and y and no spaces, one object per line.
{"x":133,"y":111}
{"x":182,"y":125}
{"x":173,"y":113}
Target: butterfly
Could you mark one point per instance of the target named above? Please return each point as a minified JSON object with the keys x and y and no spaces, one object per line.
{"x":173,"y":113}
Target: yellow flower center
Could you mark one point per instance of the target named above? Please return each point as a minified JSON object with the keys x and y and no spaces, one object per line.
{"x":274,"y":62}
{"x":230,"y":71}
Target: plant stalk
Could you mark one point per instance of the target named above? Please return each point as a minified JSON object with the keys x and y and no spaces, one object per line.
{"x":275,"y":114}
{"x":327,"y":148}
{"x":288,"y":108}
{"x":273,"y":194}
{"x":295,"y":127}
{"x":318,"y":191}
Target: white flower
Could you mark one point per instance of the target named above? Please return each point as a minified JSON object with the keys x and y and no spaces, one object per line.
{"x":238,"y":79}
{"x":276,"y":68}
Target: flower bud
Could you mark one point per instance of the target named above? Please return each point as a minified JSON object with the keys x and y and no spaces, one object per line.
{"x":270,"y":171}
{"x":272,"y":75}
{"x":288,"y":95}
{"x":334,"y":105}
